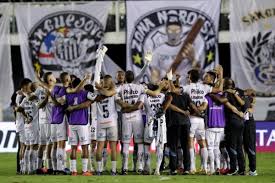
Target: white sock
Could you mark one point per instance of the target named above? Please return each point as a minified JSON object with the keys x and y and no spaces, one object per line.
{"x":104,"y":157}
{"x":204,"y":155}
{"x":49,"y":162}
{"x":159,"y":158}
{"x":99,"y":166}
{"x":60,"y":159}
{"x":54,"y":160}
{"x":147,"y":158}
{"x":217,"y":155}
{"x":113,"y":166}
{"x":192,"y":159}
{"x":39,"y":163}
{"x":73,"y":165}
{"x":64,"y":165}
{"x":26,"y":161}
{"x":125,"y":152}
{"x":224,"y":157}
{"x":85,"y":164}
{"x":140,"y":156}
{"x":211,"y":159}
{"x":22,"y":165}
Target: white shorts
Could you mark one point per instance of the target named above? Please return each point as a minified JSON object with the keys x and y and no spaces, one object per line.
{"x":93,"y":130}
{"x":44,"y":134}
{"x":59,"y":131}
{"x":107,"y":134}
{"x":22,"y":137}
{"x":158,"y":133}
{"x":213,"y":137}
{"x":133,"y":127}
{"x":79,"y":134}
{"x":197,"y":128}
{"x":31,"y":136}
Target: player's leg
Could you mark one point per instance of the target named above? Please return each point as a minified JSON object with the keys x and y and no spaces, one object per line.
{"x":105,"y":155}
{"x":61,"y":138}
{"x":101,"y":138}
{"x":84,"y":140}
{"x":173,"y":145}
{"x":73,"y":141}
{"x":112,"y":137}
{"x":92,"y":155}
{"x":54,"y":146}
{"x":210,"y":138}
{"x":138,"y":132}
{"x":73,"y":159}
{"x":41,"y":148}
{"x":22,"y":140}
{"x":126,"y":137}
{"x":191,"y":146}
{"x":231,"y":147}
{"x":240,"y":155}
{"x":185,"y":131}
{"x":200,"y":136}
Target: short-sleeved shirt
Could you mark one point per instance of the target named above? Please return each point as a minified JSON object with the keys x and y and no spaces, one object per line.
{"x":131,"y":94}
{"x":77,"y":117}
{"x":183,"y":102}
{"x":197,"y":92}
{"x":106,"y":111}
{"x":41,"y":95}
{"x":153,"y":104}
{"x":31,"y":109}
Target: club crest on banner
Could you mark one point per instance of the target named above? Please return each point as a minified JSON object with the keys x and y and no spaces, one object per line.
{"x":150,"y":33}
{"x":260,"y":53}
{"x":65,"y":41}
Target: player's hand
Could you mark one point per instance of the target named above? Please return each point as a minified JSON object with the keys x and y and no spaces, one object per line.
{"x":148,"y":57}
{"x":162,"y":84}
{"x":241,"y":114}
{"x":19,"y":92}
{"x":188,"y":52}
{"x":170,"y":75}
{"x":231,"y":91}
{"x":98,"y":86}
{"x":88,"y":77}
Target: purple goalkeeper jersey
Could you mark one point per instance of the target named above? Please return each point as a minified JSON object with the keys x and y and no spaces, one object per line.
{"x":77,"y":117}
{"x":215,"y":114}
{"x":58,"y":112}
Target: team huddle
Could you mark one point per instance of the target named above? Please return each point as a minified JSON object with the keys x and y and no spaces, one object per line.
{"x":93,"y":113}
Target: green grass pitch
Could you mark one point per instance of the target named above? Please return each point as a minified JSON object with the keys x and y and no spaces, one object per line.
{"x":265,"y":169}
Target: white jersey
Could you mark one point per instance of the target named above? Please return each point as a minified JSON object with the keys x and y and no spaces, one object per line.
{"x":106,"y":111}
{"x":197,"y":92}
{"x":31,"y":110}
{"x":163,"y":58}
{"x":41,"y":95}
{"x":131,"y":94}
{"x":153,"y":104}
{"x":19,"y":117}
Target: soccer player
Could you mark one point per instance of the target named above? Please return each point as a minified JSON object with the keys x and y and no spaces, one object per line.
{"x":59,"y":124}
{"x":29,"y":109}
{"x":19,"y":121}
{"x":132,"y":122}
{"x":250,"y":132}
{"x":234,"y":129}
{"x":79,"y":129}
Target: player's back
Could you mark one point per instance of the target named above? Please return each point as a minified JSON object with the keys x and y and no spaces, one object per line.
{"x":77,"y":117}
{"x":197,"y":92}
{"x":153,"y":104}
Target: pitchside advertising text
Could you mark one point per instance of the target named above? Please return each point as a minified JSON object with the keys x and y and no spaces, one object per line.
{"x":265,"y":133}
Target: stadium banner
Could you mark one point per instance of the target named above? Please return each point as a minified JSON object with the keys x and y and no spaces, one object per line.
{"x":252,"y":29}
{"x":61,"y":38}
{"x":149,"y":29}
{"x":6,"y":81}
{"x":265,"y":137}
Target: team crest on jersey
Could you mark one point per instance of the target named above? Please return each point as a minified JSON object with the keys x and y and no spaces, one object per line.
{"x":260,"y":54}
{"x":150,"y":32}
{"x":65,"y":41}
